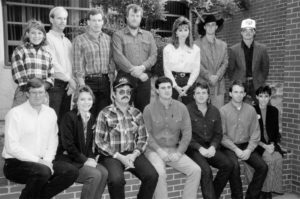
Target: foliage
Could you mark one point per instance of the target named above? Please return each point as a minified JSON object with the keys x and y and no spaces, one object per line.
{"x":116,"y":10}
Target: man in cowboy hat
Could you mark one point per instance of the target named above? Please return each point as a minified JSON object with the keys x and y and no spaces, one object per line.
{"x":214,"y":59}
{"x":249,"y":60}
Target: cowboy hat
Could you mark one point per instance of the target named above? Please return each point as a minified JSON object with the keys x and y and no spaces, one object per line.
{"x":208,"y":19}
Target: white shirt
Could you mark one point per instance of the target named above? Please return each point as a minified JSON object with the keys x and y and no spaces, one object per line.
{"x":30,"y":135}
{"x":60,"y":49}
{"x":181,"y":60}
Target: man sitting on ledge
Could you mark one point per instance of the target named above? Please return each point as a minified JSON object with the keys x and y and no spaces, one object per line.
{"x":30,"y":146}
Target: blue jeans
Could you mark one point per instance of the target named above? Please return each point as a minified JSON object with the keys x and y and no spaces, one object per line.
{"x":38,"y":180}
{"x":116,"y":181}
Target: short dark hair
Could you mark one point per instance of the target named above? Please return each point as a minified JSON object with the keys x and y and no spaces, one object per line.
{"x":80,"y":90}
{"x":94,"y":11}
{"x":237,"y":83}
{"x":34,"y":83}
{"x":161,"y":80}
{"x":136,"y":8}
{"x":202,"y":85}
{"x":264,"y":90}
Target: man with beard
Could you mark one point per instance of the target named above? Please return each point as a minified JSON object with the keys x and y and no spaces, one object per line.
{"x":241,"y":135}
{"x":121,"y":139}
{"x":60,"y":49}
{"x":135,"y":52}
{"x":93,"y":63}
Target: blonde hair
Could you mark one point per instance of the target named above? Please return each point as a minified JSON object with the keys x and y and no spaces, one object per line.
{"x":33,"y":23}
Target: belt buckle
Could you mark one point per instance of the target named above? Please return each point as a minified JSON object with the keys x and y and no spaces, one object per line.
{"x":182,"y":74}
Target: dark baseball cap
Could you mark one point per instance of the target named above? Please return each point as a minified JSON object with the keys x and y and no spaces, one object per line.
{"x":122,"y":81}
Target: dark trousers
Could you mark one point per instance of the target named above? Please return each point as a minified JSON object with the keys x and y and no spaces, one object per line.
{"x":255,"y":186}
{"x":40,"y":183}
{"x":250,"y":98}
{"x":142,"y":90}
{"x":58,"y":98}
{"x":182,"y":81}
{"x":116,"y":181}
{"x":212,"y":189}
{"x":101,"y":89}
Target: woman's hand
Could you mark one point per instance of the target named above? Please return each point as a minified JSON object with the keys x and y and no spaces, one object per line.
{"x":184,"y":90}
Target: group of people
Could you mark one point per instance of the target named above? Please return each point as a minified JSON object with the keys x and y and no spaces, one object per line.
{"x":114,"y":127}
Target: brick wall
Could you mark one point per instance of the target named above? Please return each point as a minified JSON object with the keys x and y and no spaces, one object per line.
{"x":291,"y":97}
{"x":278,"y":26}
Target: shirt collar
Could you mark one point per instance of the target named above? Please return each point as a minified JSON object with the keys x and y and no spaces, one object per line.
{"x":159,"y":103}
{"x":245,"y":46}
{"x":195,"y":107}
{"x":114,"y":108}
{"x":28,"y":105}
{"x":127,"y":31}
{"x":91,"y":36}
{"x":88,"y":115}
{"x":206,"y":40}
{"x":57,"y":34}
{"x":233,"y":106}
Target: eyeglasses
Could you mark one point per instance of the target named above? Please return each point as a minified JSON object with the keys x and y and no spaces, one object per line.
{"x":123,"y":92}
{"x":39,"y":93}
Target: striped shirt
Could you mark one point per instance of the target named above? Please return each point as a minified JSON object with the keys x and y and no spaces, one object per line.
{"x":92,"y":55}
{"x":120,"y":132}
{"x":28,"y":63}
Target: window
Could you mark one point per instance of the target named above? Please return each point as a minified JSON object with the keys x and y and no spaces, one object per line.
{"x":16,"y":13}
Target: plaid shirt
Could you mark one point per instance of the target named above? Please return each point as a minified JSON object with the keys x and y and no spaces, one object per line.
{"x":92,"y":55}
{"x":27,"y":63}
{"x":119,"y":132}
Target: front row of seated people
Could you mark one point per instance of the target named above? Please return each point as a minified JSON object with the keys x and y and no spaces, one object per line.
{"x":48,"y":158}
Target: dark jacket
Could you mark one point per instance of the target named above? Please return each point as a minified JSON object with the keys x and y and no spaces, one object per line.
{"x":272,"y":127}
{"x":260,"y":64}
{"x":72,"y":147}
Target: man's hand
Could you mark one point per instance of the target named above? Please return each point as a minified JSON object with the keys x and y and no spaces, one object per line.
{"x":163,"y":155}
{"x":184,"y":90}
{"x":213,"y":79}
{"x":179,"y":90}
{"x":269,"y":148}
{"x":211,"y":151}
{"x":48,"y":164}
{"x":173,"y":157}
{"x":203,"y":151}
{"x":125,"y":161}
{"x":143,"y":77}
{"x":136,"y":71}
{"x":246,"y":154}
{"x":239,"y":153}
{"x":90,"y":162}
{"x":132,"y":156}
{"x":72,"y":84}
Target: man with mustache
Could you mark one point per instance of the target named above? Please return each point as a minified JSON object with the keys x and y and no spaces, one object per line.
{"x":135,"y":52}
{"x":93,"y":63}
{"x":121,"y":139}
{"x":60,"y":49}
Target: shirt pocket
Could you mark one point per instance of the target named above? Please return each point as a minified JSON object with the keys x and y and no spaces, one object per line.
{"x":146,"y":46}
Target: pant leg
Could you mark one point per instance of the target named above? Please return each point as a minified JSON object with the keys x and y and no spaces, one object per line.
{"x":259,"y":176}
{"x":235,"y":176}
{"x":217,"y":99}
{"x":93,"y":180}
{"x":193,"y":175}
{"x":58,"y":99}
{"x":64,"y":176}
{"x":225,"y":168}
{"x":148,"y":176}
{"x":161,"y":190}
{"x":103,"y":96}
{"x":116,"y":181}
{"x":142,"y":94}
{"x":33,"y":175}
{"x":206,"y":182}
